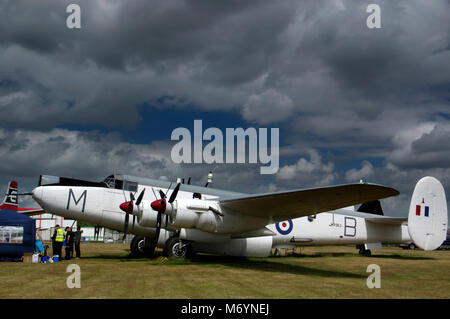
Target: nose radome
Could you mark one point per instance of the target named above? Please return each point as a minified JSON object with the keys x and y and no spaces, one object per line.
{"x":38,"y":193}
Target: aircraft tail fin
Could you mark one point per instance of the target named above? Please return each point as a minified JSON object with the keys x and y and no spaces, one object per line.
{"x":373,"y":207}
{"x":427,"y":219}
{"x":11,"y":197}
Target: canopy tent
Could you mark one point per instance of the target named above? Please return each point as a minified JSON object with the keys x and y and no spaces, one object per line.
{"x":17,"y":234}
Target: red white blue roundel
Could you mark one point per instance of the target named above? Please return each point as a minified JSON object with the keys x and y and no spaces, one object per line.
{"x":285,"y":227}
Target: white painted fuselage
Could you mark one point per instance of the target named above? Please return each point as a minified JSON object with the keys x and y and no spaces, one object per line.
{"x":100,"y":206}
{"x":336,"y":228}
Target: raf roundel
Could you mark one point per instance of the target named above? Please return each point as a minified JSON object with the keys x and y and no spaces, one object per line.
{"x":285,"y":227}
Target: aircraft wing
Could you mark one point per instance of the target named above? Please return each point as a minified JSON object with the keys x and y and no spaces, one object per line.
{"x":31,"y":211}
{"x":303,"y":202}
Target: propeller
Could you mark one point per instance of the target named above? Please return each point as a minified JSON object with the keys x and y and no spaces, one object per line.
{"x":128,"y":207}
{"x":160,"y":205}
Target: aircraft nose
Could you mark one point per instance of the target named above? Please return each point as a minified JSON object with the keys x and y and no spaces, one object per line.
{"x":38,"y":193}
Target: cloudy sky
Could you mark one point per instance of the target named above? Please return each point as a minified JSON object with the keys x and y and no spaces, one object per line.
{"x":351,"y":102}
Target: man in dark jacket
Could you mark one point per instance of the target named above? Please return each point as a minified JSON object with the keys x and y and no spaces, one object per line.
{"x":77,"y":240}
{"x":69,"y":243}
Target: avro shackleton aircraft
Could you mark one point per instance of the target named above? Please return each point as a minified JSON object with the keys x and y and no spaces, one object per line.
{"x":190,"y":218}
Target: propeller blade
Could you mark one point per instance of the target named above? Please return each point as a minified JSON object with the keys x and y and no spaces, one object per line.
{"x":154,"y":194}
{"x":141,"y":196}
{"x":132,"y":197}
{"x":161,"y":193}
{"x":127,"y":216}
{"x":170,"y":185}
{"x":158,"y":227}
{"x":174,"y":193}
{"x":189,"y":181}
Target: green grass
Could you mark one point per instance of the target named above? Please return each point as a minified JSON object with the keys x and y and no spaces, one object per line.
{"x":107,"y":271}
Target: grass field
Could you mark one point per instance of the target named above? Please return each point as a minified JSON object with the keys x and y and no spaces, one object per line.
{"x":107,"y":271}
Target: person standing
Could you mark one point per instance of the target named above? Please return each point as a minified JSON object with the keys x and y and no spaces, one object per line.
{"x":39,"y":245}
{"x":69,"y":243}
{"x":58,"y":238}
{"x":77,"y":241}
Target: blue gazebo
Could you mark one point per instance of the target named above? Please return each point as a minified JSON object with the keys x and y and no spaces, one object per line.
{"x":17,"y":234}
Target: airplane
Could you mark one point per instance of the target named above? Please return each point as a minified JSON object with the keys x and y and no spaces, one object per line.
{"x":190,"y":219}
{"x":11,"y":201}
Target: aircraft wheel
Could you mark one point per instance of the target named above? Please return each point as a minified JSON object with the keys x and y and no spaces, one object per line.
{"x":142,"y":246}
{"x":176,"y":248}
{"x":367,"y":253}
{"x":412,"y":246}
{"x":134,"y":244}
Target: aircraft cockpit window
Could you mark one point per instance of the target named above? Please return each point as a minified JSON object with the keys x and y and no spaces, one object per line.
{"x":118,"y":184}
{"x":109,"y":182}
{"x":130,"y":186}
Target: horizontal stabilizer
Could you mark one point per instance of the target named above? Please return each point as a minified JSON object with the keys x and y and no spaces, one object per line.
{"x":388,"y":220}
{"x":31,"y":211}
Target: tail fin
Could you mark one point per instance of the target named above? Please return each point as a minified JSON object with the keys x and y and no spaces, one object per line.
{"x":11,"y":198}
{"x":373,"y":207}
{"x":427,"y":220}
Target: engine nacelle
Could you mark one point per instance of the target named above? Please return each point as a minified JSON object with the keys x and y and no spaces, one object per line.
{"x":186,"y":218}
{"x":147,"y":217}
{"x":194,"y":214}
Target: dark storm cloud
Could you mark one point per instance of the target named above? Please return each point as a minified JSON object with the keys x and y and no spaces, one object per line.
{"x":311,"y":66}
{"x":306,"y":59}
{"x":430,"y":150}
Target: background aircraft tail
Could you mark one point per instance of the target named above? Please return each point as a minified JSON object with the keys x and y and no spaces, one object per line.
{"x":11,"y":198}
{"x":427,"y":219}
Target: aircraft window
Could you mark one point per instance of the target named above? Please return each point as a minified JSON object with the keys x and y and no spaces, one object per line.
{"x":130,"y":186}
{"x":118,"y":184}
{"x":109,"y":182}
{"x":197,"y":195}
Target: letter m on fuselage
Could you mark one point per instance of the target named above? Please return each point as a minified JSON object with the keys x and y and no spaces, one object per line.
{"x":72,"y":195}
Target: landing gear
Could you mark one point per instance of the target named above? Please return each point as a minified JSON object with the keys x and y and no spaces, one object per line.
{"x":412,"y":246}
{"x":176,"y":248}
{"x":365,"y":252}
{"x":142,"y":246}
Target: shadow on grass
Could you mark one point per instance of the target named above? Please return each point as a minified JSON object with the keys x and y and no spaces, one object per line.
{"x":321,"y":255}
{"x":270,"y":265}
{"x":257,"y":264}
{"x":402,"y":257}
{"x":116,"y":257}
{"x":277,"y":264}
